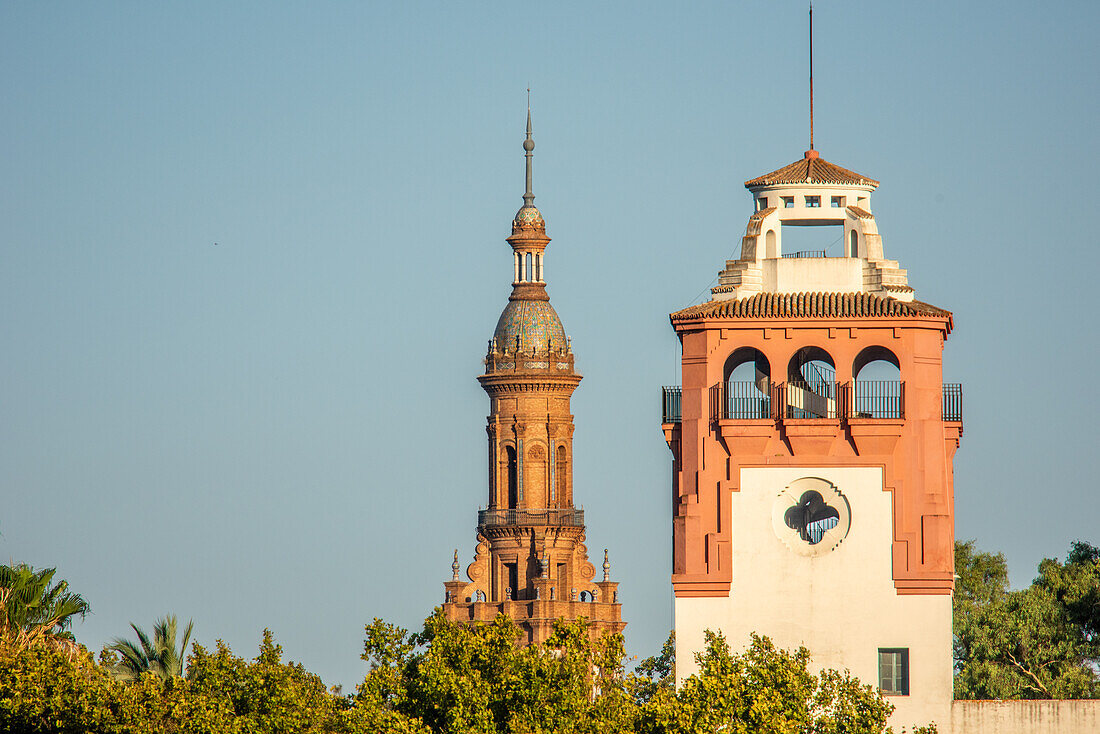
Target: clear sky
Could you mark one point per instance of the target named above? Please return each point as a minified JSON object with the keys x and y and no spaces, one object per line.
{"x":251,"y":255}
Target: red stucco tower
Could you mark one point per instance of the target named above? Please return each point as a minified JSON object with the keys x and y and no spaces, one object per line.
{"x":812,"y":443}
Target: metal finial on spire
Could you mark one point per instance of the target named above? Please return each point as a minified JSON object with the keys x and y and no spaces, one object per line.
{"x":606,"y":566}
{"x":811,"y":75}
{"x":528,"y":146}
{"x":455,"y":567}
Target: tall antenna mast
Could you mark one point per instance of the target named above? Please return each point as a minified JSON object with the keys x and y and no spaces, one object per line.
{"x":811,"y":75}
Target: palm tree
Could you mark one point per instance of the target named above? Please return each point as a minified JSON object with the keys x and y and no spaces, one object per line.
{"x":32,"y":607}
{"x":159,"y":656}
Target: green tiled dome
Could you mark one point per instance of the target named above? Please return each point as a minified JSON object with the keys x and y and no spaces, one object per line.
{"x":528,"y":216}
{"x":536,"y":323}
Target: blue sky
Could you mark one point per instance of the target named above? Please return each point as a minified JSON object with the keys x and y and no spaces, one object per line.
{"x":284,"y":430}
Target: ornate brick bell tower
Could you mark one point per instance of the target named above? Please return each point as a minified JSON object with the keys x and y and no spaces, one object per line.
{"x":812,"y":444}
{"x":531,"y":562}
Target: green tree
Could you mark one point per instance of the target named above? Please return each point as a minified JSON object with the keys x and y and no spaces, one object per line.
{"x":765,"y":690}
{"x":1036,"y":643}
{"x":457,"y":677}
{"x":160,"y":656}
{"x":656,"y":673}
{"x":46,"y":689}
{"x":269,"y":695}
{"x":1076,"y":586}
{"x":33,"y":607}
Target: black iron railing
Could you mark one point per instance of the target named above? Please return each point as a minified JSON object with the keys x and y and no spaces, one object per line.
{"x":815,"y":398}
{"x":567,"y":517}
{"x":744,"y":400}
{"x":805,"y":253}
{"x":952,"y":401}
{"x":877,"y":399}
{"x":671,"y":405}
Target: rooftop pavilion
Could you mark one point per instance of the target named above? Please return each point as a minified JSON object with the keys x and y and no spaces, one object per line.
{"x":811,"y":192}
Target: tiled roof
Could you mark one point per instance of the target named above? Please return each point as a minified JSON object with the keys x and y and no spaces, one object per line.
{"x":527,"y":324}
{"x":808,"y":306}
{"x":811,"y":169}
{"x":860,"y":213}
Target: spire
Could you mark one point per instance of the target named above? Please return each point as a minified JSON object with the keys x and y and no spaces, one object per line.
{"x":811,"y":79}
{"x":606,"y":567}
{"x":528,"y":146}
{"x":528,"y":217}
{"x":455,"y":567}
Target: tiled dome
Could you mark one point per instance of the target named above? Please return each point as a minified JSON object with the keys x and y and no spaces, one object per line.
{"x":536,"y":323}
{"x":528,"y":216}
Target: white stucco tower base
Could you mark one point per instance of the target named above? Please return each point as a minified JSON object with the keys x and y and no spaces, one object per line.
{"x":839,"y":602}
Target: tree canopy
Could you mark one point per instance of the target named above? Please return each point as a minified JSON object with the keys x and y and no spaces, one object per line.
{"x":33,"y":607}
{"x":161,"y":655}
{"x":1035,"y":643}
{"x":448,"y":678}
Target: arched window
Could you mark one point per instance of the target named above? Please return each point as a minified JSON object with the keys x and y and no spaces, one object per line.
{"x":769,"y":247}
{"x":878,"y":391}
{"x":747,"y":385}
{"x":530,"y":267}
{"x":853,"y":250}
{"x":561,"y":470}
{"x":513,"y":484}
{"x":811,"y":384}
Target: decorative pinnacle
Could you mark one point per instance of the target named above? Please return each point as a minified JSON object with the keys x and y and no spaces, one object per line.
{"x":606,"y":566}
{"x":454,"y":567}
{"x":528,"y":146}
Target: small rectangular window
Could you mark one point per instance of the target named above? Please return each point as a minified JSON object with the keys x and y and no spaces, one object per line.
{"x":893,"y":670}
{"x":813,"y":202}
{"x":788,"y":202}
{"x":761,"y":204}
{"x":838,"y":202}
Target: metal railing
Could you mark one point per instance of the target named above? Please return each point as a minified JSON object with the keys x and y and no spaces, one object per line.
{"x":816,"y":530}
{"x":744,"y":400}
{"x":952,"y":401}
{"x":877,"y":399}
{"x":815,"y":398}
{"x":567,"y":517}
{"x":805,"y":253}
{"x":671,"y":404}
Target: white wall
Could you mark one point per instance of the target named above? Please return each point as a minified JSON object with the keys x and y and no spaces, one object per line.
{"x":813,"y":275}
{"x":1024,"y":717}
{"x":841,"y":603}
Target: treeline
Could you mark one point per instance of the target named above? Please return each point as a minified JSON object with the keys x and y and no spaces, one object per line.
{"x":446,"y":678}
{"x":1039,"y":642}
{"x":456,"y":679}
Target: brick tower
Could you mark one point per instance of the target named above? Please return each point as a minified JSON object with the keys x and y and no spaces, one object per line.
{"x":812,"y":444}
{"x":531,"y":562}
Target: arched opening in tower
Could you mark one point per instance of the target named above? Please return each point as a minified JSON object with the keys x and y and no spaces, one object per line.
{"x":747,"y":385}
{"x":513,"y":483}
{"x":878,"y":391}
{"x":811,"y":384}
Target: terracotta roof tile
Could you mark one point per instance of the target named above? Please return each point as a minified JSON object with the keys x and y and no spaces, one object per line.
{"x":860,"y":213}
{"x":808,"y":306}
{"x":811,"y":170}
